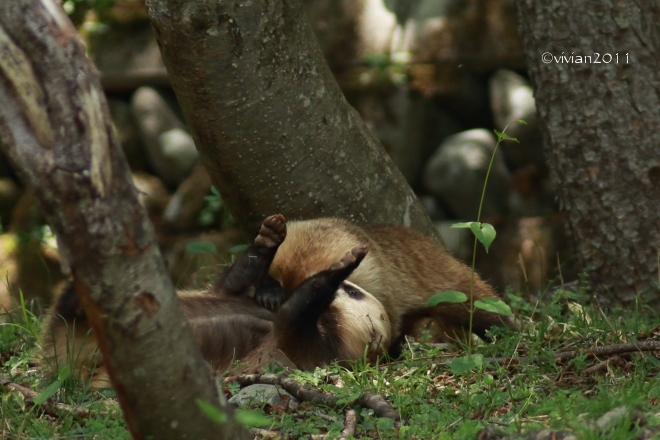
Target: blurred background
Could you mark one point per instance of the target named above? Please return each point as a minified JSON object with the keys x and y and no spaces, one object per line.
{"x":431,"y":78}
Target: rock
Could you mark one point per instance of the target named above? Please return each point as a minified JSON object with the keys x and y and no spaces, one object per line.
{"x":126,"y":55}
{"x":260,"y":394}
{"x":458,"y":241}
{"x":407,"y":124}
{"x":171,"y":150}
{"x":512,"y":99}
{"x":433,"y":208}
{"x":183,"y":209}
{"x":397,"y":118}
{"x":128,"y":134}
{"x":455,"y":174}
{"x":177,"y":146}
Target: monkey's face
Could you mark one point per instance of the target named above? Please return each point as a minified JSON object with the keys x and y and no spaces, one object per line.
{"x":364,"y":321}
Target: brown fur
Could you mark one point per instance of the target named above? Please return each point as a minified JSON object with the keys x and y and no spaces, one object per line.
{"x":403,"y":269}
{"x":228,"y":325}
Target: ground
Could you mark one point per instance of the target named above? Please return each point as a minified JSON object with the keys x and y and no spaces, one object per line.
{"x":520,"y":383}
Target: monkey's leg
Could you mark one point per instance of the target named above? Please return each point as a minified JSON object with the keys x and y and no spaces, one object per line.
{"x":269,"y":294}
{"x":251,"y":267}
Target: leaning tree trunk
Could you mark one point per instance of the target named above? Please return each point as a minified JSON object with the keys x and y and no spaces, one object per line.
{"x":55,"y":129}
{"x":268,"y":118}
{"x":601,"y":125}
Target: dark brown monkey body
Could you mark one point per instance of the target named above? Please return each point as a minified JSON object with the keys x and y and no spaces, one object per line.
{"x":403,"y":269}
{"x":326,"y":318}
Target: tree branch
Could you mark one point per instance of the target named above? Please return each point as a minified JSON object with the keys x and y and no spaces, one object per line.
{"x":375,"y":402}
{"x":56,"y":409}
{"x":270,"y":122}
{"x":55,"y":129}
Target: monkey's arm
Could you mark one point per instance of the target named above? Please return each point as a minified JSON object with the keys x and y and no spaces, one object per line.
{"x":314,"y":296}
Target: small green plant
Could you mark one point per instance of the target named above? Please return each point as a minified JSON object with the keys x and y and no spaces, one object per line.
{"x":485,"y":234}
{"x":246,"y":417}
{"x":215,"y":212}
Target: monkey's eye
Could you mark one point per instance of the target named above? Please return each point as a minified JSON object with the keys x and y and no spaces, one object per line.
{"x":353,"y":292}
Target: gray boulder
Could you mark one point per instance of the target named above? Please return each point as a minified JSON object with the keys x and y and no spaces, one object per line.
{"x":259,"y":394}
{"x":512,"y":99}
{"x":455,"y":174}
{"x":170,"y":148}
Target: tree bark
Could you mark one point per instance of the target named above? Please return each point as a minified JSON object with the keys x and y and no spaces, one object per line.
{"x":600,"y":122}
{"x":55,"y":129}
{"x":269,"y":120}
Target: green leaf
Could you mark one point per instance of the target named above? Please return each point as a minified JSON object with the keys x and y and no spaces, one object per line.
{"x":201,"y":247}
{"x":48,"y":392}
{"x":214,"y":413}
{"x":348,"y":398}
{"x":238,"y":249}
{"x":64,"y":374}
{"x":463,"y":225}
{"x":449,"y":296}
{"x":385,"y":424}
{"x":504,"y":137}
{"x":252,"y":418}
{"x":487,"y":235}
{"x":466,"y":363}
{"x":494,"y":305}
{"x":475,"y":227}
{"x":522,"y":122}
{"x":484,"y":232}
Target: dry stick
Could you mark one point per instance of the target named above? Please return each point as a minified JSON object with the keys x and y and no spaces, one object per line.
{"x":56,"y":409}
{"x":350,"y":422}
{"x":375,"y":402}
{"x":605,"y":350}
{"x":603,"y":365}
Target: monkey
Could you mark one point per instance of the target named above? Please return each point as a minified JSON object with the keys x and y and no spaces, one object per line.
{"x":403,"y":270}
{"x":326,"y":318}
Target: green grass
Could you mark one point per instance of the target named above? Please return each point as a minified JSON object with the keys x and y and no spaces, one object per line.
{"x":535,"y":394}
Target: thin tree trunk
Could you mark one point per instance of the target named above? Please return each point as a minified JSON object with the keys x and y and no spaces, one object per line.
{"x":54,"y":127}
{"x":601,"y":124}
{"x":269,"y":119}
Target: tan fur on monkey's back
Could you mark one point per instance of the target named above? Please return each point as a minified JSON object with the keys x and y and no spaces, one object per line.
{"x":403,"y":269}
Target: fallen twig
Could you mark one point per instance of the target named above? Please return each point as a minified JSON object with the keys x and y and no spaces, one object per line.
{"x":604,"y":365}
{"x":375,"y":402}
{"x":350,"y":422}
{"x":609,"y":350}
{"x":602,"y":426}
{"x":591,"y":352}
{"x":50,"y":407}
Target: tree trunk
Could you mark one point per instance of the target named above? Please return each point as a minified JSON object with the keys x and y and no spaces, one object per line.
{"x":269,"y":120}
{"x":54,"y":127}
{"x":601,"y":121}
